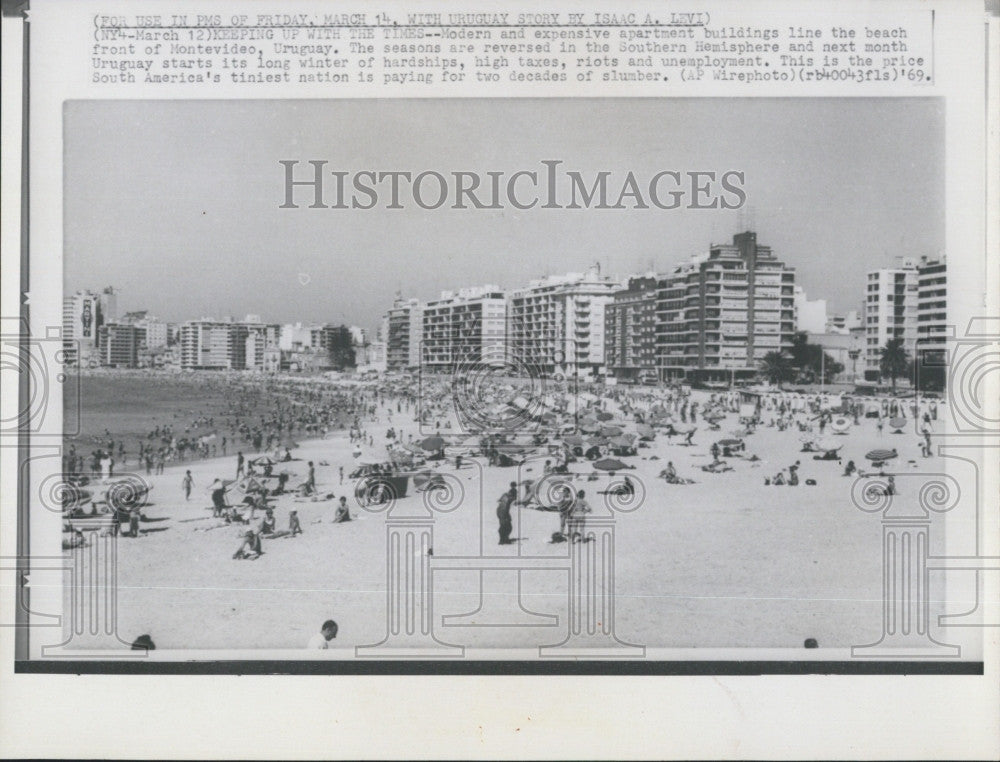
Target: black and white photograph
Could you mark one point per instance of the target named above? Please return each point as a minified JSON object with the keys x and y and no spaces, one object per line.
{"x":582,"y":378}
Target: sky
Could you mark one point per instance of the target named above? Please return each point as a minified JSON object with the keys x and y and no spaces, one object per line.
{"x":176,"y":203}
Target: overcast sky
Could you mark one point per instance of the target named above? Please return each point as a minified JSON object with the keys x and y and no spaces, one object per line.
{"x":176,"y":202}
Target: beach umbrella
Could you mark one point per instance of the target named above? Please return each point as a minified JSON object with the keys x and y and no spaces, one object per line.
{"x":432,"y":444}
{"x":263,"y":460}
{"x":840,"y":424}
{"x":610,"y":464}
{"x":730,"y":442}
{"x":878,"y":455}
{"x":622,"y":441}
{"x":611,"y":431}
{"x":645,"y":431}
{"x":589,"y":426}
{"x":575,"y":440}
{"x":604,"y":416}
{"x":897,"y":423}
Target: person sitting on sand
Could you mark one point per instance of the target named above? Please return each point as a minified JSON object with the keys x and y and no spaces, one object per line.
{"x":268,"y":524}
{"x":250,"y":547}
{"x":689,"y":437}
{"x":779,"y":479}
{"x":343,"y":512}
{"x":133,"y":522}
{"x":850,"y":468}
{"x":669,"y":473}
{"x":793,"y":475}
{"x":294,"y":527}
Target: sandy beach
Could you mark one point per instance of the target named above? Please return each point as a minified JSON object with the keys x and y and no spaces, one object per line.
{"x":724,"y":562}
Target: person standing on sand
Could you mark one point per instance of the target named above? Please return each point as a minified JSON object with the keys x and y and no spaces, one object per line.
{"x":503,"y":513}
{"x":239,"y":464}
{"x":578,"y":518}
{"x":187,"y":483}
{"x":311,"y":480}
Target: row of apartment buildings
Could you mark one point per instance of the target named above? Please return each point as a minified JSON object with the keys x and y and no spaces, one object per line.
{"x":714,"y":317}
{"x":95,"y":335}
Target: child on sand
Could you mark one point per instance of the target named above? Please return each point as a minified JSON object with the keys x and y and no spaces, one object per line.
{"x":343,"y":513}
{"x":250,"y":548}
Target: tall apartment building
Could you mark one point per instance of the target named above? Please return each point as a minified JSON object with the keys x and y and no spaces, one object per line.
{"x":225,"y":345}
{"x":630,"y":329}
{"x":810,"y":314}
{"x":890,"y":311}
{"x":83,"y":315}
{"x":464,"y":327}
{"x":932,"y":312}
{"x":120,"y":344}
{"x":556,"y":324}
{"x":720,"y":314}
{"x":403,"y":332}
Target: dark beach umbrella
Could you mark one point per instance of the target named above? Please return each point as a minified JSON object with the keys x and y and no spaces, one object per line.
{"x":610,"y":464}
{"x":877,"y":455}
{"x":433,"y":444}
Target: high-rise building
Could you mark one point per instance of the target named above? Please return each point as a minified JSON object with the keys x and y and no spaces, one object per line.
{"x":810,"y":314}
{"x":403,"y":329}
{"x":156,"y":330}
{"x":464,"y":327}
{"x":209,"y":344}
{"x":83,"y":315}
{"x":630,"y":329}
{"x":844,"y":323}
{"x":295,"y":337}
{"x":890,"y":311}
{"x":720,"y":314}
{"x":932,"y":313}
{"x":206,"y":345}
{"x":120,"y":344}
{"x":556,"y":324}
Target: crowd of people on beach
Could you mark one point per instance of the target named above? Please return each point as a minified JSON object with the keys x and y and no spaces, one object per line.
{"x":581,"y":435}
